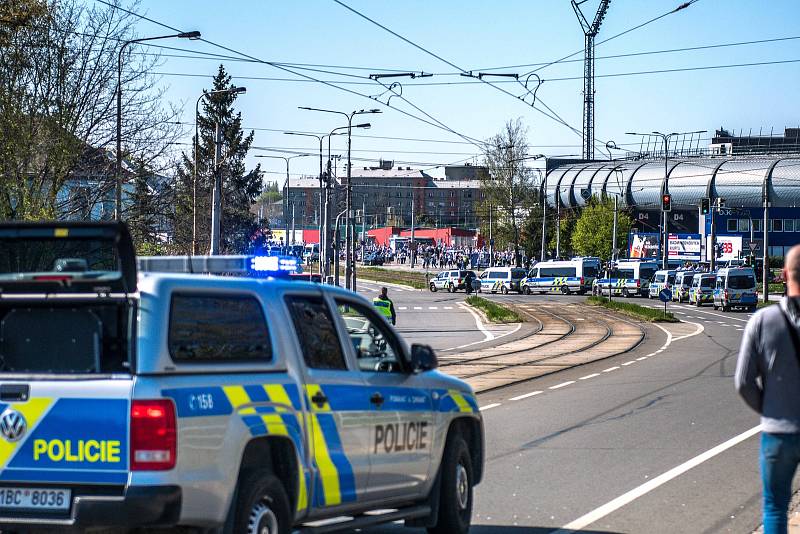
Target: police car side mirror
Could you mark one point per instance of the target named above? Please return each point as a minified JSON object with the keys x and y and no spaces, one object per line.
{"x":423,"y":358}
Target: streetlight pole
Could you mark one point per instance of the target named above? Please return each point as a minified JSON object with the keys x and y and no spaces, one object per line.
{"x":350,"y":271}
{"x":665,"y":191}
{"x":286,"y":207}
{"x":118,"y":188}
{"x":322,"y":227}
{"x":234,"y":90}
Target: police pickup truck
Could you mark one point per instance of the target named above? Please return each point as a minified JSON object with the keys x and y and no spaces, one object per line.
{"x":214,"y":403}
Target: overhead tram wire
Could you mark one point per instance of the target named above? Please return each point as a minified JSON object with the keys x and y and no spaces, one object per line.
{"x":464,"y":71}
{"x":436,"y":124}
{"x":560,"y":79}
{"x":654,"y":52}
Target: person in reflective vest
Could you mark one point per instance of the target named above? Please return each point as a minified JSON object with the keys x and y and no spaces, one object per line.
{"x":385,"y":305}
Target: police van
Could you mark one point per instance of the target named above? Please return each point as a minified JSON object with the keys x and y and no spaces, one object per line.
{"x":502,"y":280}
{"x":627,"y":278}
{"x":735,"y":287}
{"x":131,"y":397}
{"x":702,"y":289}
{"x":661,"y":280}
{"x":683,"y":283}
{"x":572,"y":276}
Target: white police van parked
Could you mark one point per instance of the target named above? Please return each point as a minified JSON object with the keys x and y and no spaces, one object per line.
{"x":683,"y":284}
{"x":573,"y":276}
{"x":213,"y":403}
{"x":502,"y":279}
{"x":661,"y":280}
{"x":735,"y":288}
{"x":627,"y":278}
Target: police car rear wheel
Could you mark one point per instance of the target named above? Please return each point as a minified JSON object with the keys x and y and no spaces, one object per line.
{"x":433,"y":287}
{"x":527,"y":290}
{"x":263,"y":507}
{"x":565,"y":290}
{"x":504,"y":290}
{"x":455,"y":505}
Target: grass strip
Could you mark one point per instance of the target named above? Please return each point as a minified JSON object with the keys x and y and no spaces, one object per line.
{"x":651,"y":315}
{"x":496,"y":313}
{"x":378,"y":274}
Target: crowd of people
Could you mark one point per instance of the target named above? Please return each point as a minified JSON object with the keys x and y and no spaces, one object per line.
{"x":439,"y":256}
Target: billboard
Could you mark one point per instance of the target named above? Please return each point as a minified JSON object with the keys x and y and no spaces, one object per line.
{"x":643,"y":246}
{"x":684,"y":246}
{"x":730,"y":247}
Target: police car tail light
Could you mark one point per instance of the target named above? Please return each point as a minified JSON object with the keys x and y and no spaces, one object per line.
{"x":153,"y":442}
{"x":638,"y":283}
{"x":581,"y":280}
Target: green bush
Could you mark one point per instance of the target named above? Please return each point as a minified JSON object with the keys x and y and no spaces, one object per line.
{"x":496,"y":313}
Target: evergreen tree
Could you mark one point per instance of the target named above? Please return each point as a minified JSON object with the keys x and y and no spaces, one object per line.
{"x":240,"y":188}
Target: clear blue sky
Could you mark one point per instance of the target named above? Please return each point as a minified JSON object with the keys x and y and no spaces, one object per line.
{"x":476,"y":35}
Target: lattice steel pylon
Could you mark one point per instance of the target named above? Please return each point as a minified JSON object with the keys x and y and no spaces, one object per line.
{"x":589,"y":31}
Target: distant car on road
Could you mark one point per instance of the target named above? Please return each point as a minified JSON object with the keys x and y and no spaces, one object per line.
{"x":451,"y":281}
{"x":661,"y":280}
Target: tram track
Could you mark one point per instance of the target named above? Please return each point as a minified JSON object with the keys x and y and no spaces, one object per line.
{"x":597,"y":335}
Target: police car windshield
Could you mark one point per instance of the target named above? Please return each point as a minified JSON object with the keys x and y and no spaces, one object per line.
{"x":707,"y":282}
{"x":623,"y":273}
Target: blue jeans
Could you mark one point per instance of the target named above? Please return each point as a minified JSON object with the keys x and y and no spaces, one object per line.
{"x":780,"y":454}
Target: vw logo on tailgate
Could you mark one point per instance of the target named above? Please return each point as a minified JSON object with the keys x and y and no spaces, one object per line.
{"x":12,"y":425}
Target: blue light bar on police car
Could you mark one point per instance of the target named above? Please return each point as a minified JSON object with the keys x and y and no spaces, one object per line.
{"x":274,"y":264}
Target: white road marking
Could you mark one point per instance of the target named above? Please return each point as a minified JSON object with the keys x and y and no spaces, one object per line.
{"x":488,"y":336}
{"x":562,"y":384}
{"x":433,"y":307}
{"x":489,"y":406}
{"x":610,"y":369}
{"x":402,"y":308}
{"x":630,"y":362}
{"x":626,"y":498}
{"x":417,"y":307}
{"x":587,"y":377}
{"x":483,"y":340}
{"x":525,"y":395}
{"x":642,"y":358}
{"x":448,"y":307}
{"x":720,"y":315}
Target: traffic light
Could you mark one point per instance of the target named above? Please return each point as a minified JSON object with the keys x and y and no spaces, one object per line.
{"x":666,"y":202}
{"x":705,"y":206}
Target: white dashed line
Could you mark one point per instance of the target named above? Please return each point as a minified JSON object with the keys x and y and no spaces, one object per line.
{"x":562,"y":384}
{"x":626,"y":498}
{"x":489,"y":406}
{"x":433,"y":307}
{"x":610,"y":369}
{"x":642,"y":358}
{"x":587,"y":377}
{"x":630,"y":362}
{"x":525,"y":395}
{"x":417,"y":307}
{"x":402,"y":308}
{"x":448,"y":308}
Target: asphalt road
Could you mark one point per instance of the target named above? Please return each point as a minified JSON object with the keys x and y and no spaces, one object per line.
{"x":626,"y":444}
{"x":437,"y":319}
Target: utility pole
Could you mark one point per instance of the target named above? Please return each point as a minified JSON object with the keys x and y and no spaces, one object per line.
{"x":216,"y":201}
{"x":765,"y":228}
{"x":713,"y":244}
{"x":589,"y":32}
{"x":614,"y":233}
{"x":558,"y":222}
{"x":413,"y":248}
{"x":491,"y":239}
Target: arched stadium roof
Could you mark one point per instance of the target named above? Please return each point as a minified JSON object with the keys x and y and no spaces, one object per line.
{"x":640,"y":184}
